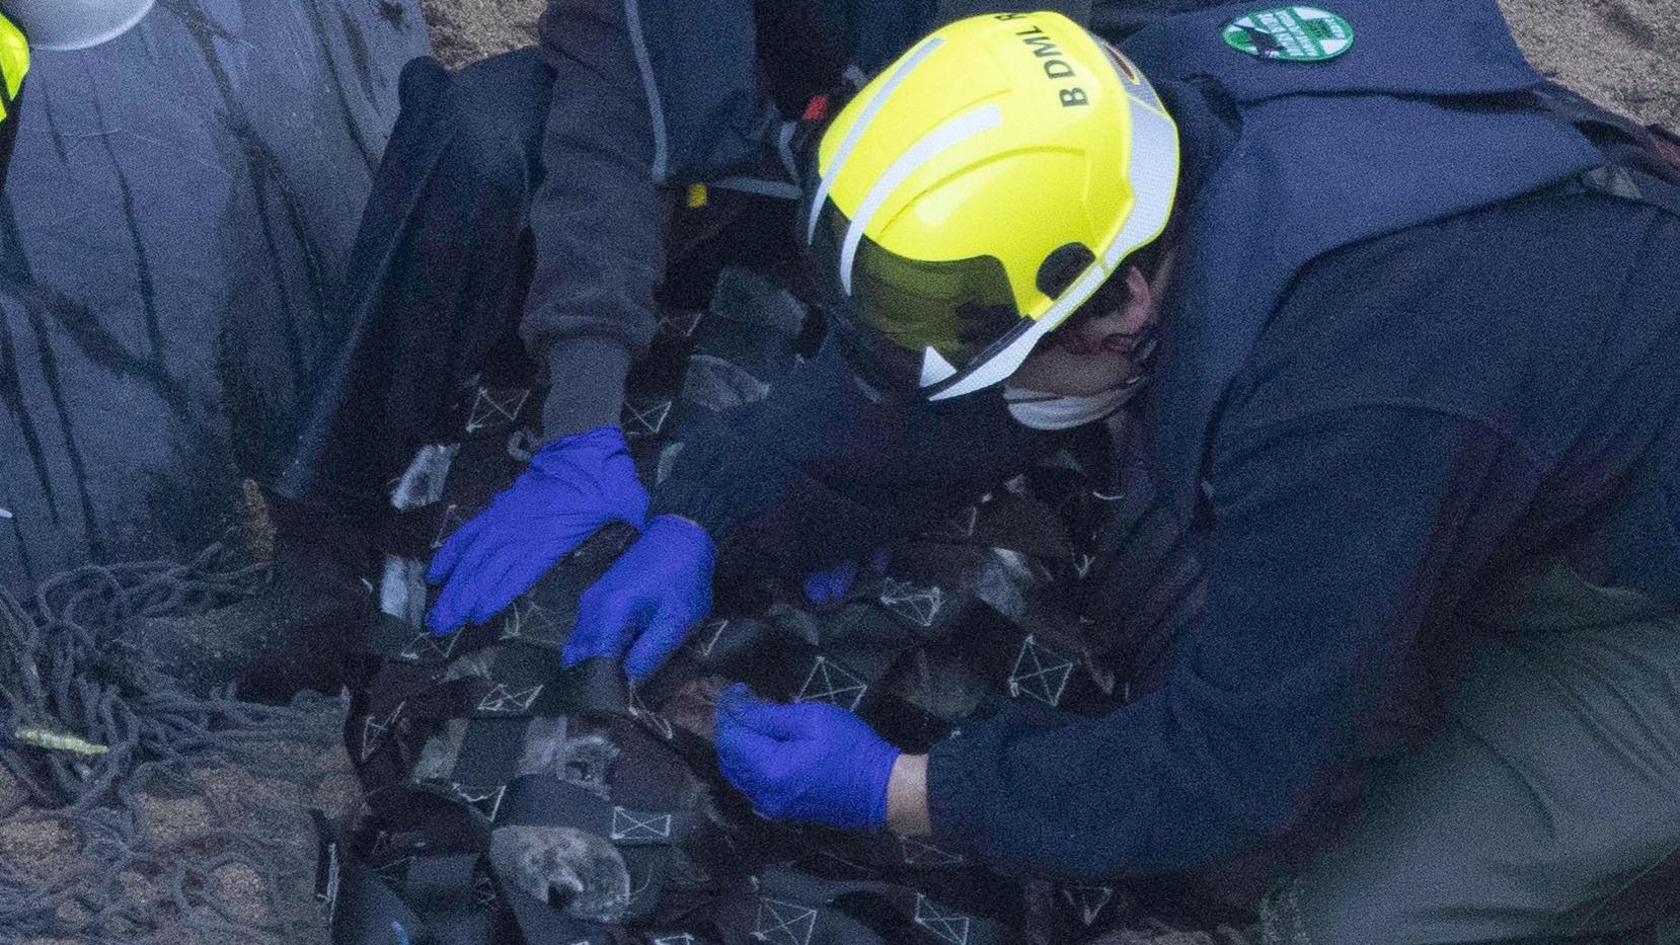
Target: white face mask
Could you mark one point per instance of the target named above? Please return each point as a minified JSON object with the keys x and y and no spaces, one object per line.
{"x":1041,"y":411}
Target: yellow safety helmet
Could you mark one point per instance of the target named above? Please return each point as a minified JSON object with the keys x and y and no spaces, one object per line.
{"x":978,"y":191}
{"x":14,"y":64}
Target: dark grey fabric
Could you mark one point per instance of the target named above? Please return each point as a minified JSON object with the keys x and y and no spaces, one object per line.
{"x":434,"y":282}
{"x":1548,"y":809}
{"x":174,"y":218}
{"x":648,"y":94}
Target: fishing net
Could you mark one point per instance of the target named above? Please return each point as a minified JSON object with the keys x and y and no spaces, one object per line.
{"x":938,"y":629}
{"x":133,"y":810}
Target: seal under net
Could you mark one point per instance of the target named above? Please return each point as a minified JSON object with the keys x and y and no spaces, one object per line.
{"x":509,"y":801}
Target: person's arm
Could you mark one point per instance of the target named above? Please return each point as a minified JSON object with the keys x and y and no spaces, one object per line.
{"x":647,"y":93}
{"x":818,"y":472}
{"x":812,"y":475}
{"x":1337,"y":536}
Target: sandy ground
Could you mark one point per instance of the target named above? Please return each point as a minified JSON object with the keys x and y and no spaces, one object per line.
{"x":465,"y":31}
{"x":195,"y":821}
{"x":1624,"y":54}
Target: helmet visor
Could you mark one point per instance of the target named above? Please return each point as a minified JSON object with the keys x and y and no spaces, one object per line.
{"x":898,"y":308}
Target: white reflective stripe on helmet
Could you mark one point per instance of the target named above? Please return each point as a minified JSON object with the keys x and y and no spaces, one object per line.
{"x":1153,"y":176}
{"x":947,"y":134}
{"x":844,"y":151}
{"x":934,"y":367}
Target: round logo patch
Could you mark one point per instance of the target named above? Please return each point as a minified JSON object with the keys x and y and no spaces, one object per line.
{"x":1293,"y":34}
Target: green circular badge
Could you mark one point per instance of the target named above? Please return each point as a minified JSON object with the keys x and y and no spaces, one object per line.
{"x":1293,"y":34}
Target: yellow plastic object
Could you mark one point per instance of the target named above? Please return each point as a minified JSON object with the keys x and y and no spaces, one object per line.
{"x":14,"y":63}
{"x":1004,"y":136}
{"x":697,"y":196}
{"x":58,"y":741}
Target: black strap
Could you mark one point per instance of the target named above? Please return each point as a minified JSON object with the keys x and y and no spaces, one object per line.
{"x":448,"y":895}
{"x":776,"y":663}
{"x":538,"y":923}
{"x":645,"y":839}
{"x":1044,"y":660}
{"x":542,"y":801}
{"x":784,"y":904}
{"x":364,"y":908}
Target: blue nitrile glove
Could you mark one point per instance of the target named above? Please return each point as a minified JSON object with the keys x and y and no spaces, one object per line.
{"x":812,"y":762}
{"x":572,"y":488}
{"x":648,"y":601}
{"x":826,"y":587}
{"x":831,"y":585}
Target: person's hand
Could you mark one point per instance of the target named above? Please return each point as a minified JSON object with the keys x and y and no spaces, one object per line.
{"x":812,"y":762}
{"x":648,"y":601}
{"x":831,"y":585}
{"x":573,"y":487}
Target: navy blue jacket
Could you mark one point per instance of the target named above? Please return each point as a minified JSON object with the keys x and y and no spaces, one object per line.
{"x":1428,"y":413}
{"x":1435,"y":397}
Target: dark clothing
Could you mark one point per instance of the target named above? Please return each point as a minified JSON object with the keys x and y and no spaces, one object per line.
{"x":1322,"y":157}
{"x":467,"y":235}
{"x":1422,"y":413}
{"x":1369,"y":475}
{"x":646,"y":94}
{"x":1544,"y":808}
{"x":1431,"y":406}
{"x":435,"y":280}
{"x":819,"y":457}
{"x":654,"y":93}
{"x":1481,"y":409}
{"x":468,"y":241}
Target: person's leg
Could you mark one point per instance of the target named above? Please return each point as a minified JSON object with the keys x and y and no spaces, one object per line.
{"x":1547,"y":811}
{"x":436,"y":279}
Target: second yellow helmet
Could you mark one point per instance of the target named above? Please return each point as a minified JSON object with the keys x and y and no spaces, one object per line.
{"x":14,"y":65}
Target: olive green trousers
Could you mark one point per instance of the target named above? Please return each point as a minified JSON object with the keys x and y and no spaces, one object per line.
{"x":1548,"y":809}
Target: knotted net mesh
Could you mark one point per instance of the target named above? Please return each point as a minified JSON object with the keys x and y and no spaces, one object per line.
{"x":132,"y":809}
